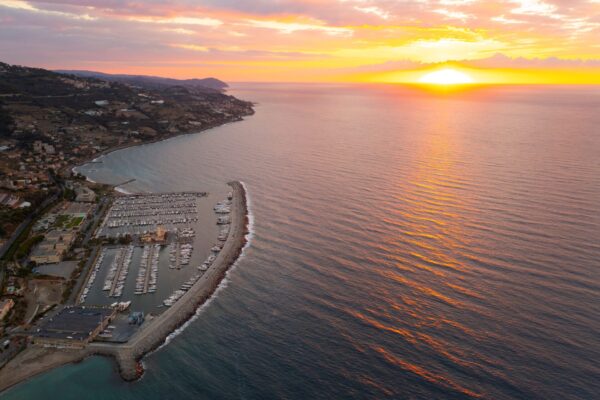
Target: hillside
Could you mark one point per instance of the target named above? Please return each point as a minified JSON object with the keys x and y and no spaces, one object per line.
{"x":51,"y":120}
{"x":152,"y":82}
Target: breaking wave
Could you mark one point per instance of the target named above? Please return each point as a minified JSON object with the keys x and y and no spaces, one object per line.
{"x":222,"y":284}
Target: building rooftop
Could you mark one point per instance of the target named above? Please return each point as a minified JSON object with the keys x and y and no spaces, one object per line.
{"x":76,"y":208}
{"x":44,"y":251}
{"x":77,"y":323}
{"x":4,"y":302}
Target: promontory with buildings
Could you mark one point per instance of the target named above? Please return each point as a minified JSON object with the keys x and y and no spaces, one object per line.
{"x":85,"y":270}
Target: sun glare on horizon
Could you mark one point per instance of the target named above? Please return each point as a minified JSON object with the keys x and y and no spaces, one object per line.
{"x":446,"y":76}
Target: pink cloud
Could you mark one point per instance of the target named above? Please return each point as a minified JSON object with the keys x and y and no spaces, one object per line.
{"x":128,"y":33}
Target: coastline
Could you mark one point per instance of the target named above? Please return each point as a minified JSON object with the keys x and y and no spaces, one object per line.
{"x":96,"y":157}
{"x":35,"y":360}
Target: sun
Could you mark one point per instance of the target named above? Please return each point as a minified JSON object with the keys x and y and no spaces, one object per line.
{"x":446,"y":76}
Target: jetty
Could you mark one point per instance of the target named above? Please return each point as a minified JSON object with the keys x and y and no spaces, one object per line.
{"x":124,"y":183}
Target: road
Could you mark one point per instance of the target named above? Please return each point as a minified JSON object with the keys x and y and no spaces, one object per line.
{"x":31,"y":218}
{"x":22,"y":228}
{"x":91,"y":228}
{"x":96,"y":219}
{"x":25,"y":224}
{"x":83,"y":276}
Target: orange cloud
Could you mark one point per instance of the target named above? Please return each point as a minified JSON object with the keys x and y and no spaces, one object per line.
{"x":308,"y":40}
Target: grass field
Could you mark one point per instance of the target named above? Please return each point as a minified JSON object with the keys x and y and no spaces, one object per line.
{"x":67,"y":222}
{"x":75,"y":222}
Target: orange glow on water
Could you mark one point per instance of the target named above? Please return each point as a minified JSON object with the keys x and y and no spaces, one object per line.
{"x":424,"y":373}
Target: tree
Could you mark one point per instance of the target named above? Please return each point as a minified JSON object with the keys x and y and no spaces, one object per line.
{"x":69,"y":194}
{"x":125,"y":239}
{"x":6,"y":122}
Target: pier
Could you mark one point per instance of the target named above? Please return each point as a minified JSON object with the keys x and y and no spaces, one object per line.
{"x":148,"y":269}
{"x":120,"y":258}
{"x":124,"y":183}
{"x":115,"y":280}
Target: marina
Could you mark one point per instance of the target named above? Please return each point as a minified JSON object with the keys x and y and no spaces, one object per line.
{"x":162,"y":257}
{"x":128,"y":328}
{"x":178,"y":255}
{"x":92,"y":277}
{"x":148,"y":272}
{"x":117,"y":274}
{"x":140,"y":214}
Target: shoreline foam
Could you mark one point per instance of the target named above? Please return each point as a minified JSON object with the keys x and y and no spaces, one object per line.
{"x":122,"y":191}
{"x":223,"y":283}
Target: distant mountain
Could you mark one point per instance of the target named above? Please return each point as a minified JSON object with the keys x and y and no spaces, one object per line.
{"x":93,"y":110}
{"x":152,"y":82}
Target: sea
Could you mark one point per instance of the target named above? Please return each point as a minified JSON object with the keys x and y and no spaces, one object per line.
{"x":405,"y":243}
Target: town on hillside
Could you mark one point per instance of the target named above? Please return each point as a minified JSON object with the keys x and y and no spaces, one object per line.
{"x":49,"y":123}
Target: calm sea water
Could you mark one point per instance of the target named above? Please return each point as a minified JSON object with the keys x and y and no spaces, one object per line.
{"x":406,"y":245}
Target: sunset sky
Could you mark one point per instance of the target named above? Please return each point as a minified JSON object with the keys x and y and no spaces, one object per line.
{"x":497,"y":41}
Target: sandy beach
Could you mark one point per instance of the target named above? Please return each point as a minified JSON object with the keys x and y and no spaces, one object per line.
{"x":35,"y":360}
